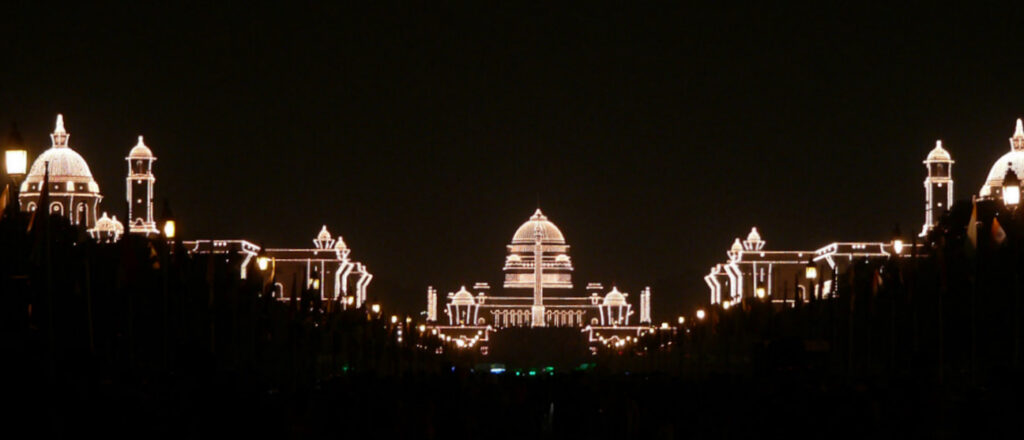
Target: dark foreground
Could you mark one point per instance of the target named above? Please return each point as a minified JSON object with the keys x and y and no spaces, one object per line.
{"x":463,"y":404}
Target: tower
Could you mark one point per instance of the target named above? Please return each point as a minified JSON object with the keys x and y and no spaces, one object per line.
{"x":938,"y":186}
{"x":140,"y":190}
{"x":538,"y":276}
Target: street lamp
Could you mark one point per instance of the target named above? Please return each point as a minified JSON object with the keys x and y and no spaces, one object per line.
{"x":701,"y":314}
{"x":726,"y":304}
{"x":394,"y":319}
{"x":1011,"y":189}
{"x":262,"y":262}
{"x":761,"y":293}
{"x":811,"y":271}
{"x":375,"y":308}
{"x":681,"y":320}
{"x":169,"y":229}
{"x":16,"y":162}
{"x":897,"y":241}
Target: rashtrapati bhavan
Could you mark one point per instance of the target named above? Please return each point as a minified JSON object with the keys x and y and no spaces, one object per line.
{"x":537,"y":291}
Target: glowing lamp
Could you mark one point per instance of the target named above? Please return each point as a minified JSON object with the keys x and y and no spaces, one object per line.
{"x":897,"y":245}
{"x":375,"y":308}
{"x":422,"y":328}
{"x":169,"y":229}
{"x":16,"y":162}
{"x":681,"y":320}
{"x":394,"y":319}
{"x":262,"y":262}
{"x":315,"y":284}
{"x":664,"y":325}
{"x":701,"y":314}
{"x":1011,"y":189}
{"x":726,"y":304}
{"x":811,"y":271}
{"x":761,"y":293}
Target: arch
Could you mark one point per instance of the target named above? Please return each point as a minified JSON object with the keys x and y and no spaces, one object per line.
{"x":31,"y":207}
{"x":82,"y":213}
{"x":56,"y":208}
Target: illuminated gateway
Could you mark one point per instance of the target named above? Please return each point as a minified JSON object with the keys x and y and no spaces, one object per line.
{"x":526,"y":298}
{"x":781,"y":276}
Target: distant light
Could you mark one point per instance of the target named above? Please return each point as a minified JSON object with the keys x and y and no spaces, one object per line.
{"x":16,"y":162}
{"x":897,"y":245}
{"x":664,"y":325}
{"x":375,"y":308}
{"x":726,"y":304}
{"x":811,"y":271}
{"x":422,"y":328}
{"x":700,"y":314}
{"x":394,"y":319}
{"x":497,"y":370}
{"x":681,"y":320}
{"x":169,"y":229}
{"x":262,"y":263}
{"x":761,"y":293}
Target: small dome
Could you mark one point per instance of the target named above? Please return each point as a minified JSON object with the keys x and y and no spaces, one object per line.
{"x":614,"y":298}
{"x":753,"y":236}
{"x":939,"y":154}
{"x":737,"y":246}
{"x":549,"y":232}
{"x":462,"y":297}
{"x":106,"y":224}
{"x":340,"y":244}
{"x":323,"y":235}
{"x":140,"y":151}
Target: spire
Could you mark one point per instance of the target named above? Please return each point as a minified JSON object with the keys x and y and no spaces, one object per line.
{"x":59,"y":136}
{"x":141,"y":143}
{"x":1017,"y":141}
{"x":537,"y":215}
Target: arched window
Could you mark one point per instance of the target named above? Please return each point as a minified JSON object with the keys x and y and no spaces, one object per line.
{"x":31,"y":207}
{"x":82,"y":213}
{"x":56,"y":208}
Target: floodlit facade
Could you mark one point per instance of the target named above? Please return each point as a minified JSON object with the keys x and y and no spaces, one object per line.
{"x":528,"y":298}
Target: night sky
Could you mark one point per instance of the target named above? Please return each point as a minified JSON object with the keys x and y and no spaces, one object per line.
{"x":426,"y":135}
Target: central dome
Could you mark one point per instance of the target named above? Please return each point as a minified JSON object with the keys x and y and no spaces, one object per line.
{"x":550,"y":233}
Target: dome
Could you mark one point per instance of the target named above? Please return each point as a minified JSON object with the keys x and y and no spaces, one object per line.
{"x":551,"y":234}
{"x":140,"y":151}
{"x":109,"y":224}
{"x":66,"y":165}
{"x":938,"y":154}
{"x":462,"y":297}
{"x":614,"y":298}
{"x":1012,"y":160}
{"x":340,"y":244}
{"x":753,"y":236}
{"x":737,"y":246}
{"x":323,"y":235}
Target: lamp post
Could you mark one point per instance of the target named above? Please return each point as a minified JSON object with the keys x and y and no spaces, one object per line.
{"x":701,"y":314}
{"x":761,"y":293}
{"x":16,"y":162}
{"x":1011,"y":189}
{"x":811,"y":274}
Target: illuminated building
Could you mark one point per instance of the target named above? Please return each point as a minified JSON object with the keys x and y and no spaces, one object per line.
{"x":139,"y":187}
{"x":325,"y":268}
{"x":525,"y":298}
{"x":73,"y":193}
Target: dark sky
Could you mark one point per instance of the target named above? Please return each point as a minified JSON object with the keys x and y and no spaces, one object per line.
{"x":426,"y":135}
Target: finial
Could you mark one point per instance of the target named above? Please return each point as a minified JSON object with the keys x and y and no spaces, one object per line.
{"x":141,"y":143}
{"x":938,"y":143}
{"x":1017,"y":141}
{"x":59,"y":136}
